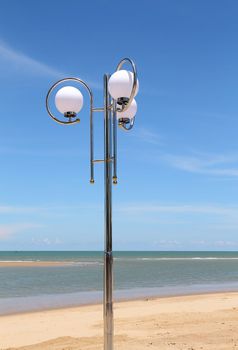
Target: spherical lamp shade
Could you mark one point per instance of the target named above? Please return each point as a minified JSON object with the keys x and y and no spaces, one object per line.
{"x":120,"y":84}
{"x":129,"y":113}
{"x":69,"y":100}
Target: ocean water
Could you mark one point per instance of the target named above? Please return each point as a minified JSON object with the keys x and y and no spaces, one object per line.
{"x":136,"y":275}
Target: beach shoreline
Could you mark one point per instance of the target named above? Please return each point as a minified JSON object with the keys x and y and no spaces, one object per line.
{"x":165,"y":323}
{"x":117,"y":301}
{"x":34,"y":263}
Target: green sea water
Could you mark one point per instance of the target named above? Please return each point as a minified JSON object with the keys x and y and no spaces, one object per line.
{"x":136,"y":274}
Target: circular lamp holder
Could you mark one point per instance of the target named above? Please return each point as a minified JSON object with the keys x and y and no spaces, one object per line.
{"x":126,"y":123}
{"x":71,"y":116}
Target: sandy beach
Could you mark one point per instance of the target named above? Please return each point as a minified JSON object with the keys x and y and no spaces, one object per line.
{"x":194,"y":322}
{"x":33,"y":263}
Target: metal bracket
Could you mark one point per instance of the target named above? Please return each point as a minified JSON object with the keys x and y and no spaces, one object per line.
{"x":103,"y":160}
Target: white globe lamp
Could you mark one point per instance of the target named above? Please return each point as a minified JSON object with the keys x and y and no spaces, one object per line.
{"x":129,"y":113}
{"x":120,"y":85}
{"x":69,"y":101}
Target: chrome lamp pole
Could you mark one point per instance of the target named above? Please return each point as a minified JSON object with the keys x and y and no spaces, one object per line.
{"x":120,"y":109}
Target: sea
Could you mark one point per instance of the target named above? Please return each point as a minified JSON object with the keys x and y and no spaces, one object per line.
{"x":136,"y":275}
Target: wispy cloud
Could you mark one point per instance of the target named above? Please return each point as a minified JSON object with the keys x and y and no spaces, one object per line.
{"x":47,"y":209}
{"x":20,"y":60}
{"x":208,"y":164}
{"x":125,"y":208}
{"x":8,"y":230}
{"x":218,"y":244}
{"x":226,"y":244}
{"x":46,"y":241}
{"x":138,"y":208}
{"x":149,"y":136}
{"x":129,"y":208}
{"x":167,"y":242}
{"x":36,"y":152}
{"x":9,"y":209}
{"x":23,"y":63}
{"x":202,"y":244}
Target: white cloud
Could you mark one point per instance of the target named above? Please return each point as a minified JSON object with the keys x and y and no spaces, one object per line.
{"x":20,"y":60}
{"x":166,"y":242}
{"x":181,"y":208}
{"x":149,"y":136}
{"x":226,"y":243}
{"x":41,"y":153}
{"x":183,"y":218}
{"x":8,"y":230}
{"x":216,"y":165}
{"x":48,"y":209}
{"x":215,"y":244}
{"x":8,"y":209}
{"x":46,"y":241}
{"x":125,"y":208}
{"x":23,"y":63}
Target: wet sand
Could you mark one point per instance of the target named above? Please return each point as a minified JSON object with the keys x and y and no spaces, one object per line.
{"x":195,"y":322}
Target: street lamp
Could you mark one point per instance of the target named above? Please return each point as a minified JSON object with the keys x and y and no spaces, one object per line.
{"x":119,"y":108}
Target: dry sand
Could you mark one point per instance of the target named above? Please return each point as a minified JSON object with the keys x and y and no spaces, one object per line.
{"x":198,"y":322}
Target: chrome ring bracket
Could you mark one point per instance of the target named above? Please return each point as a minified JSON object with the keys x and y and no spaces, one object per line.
{"x":127,"y":102}
{"x":69,"y":116}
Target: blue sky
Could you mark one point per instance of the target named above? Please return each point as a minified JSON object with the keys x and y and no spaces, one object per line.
{"x":178,"y":167}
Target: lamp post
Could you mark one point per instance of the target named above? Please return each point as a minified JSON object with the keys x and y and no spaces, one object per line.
{"x":120,"y":109}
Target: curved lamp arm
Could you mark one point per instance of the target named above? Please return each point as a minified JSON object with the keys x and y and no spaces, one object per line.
{"x":80,"y":81}
{"x":127,"y":126}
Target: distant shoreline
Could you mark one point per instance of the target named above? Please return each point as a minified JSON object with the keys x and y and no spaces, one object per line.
{"x":33,"y":263}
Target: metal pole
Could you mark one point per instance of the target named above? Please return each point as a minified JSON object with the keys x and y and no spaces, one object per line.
{"x":109,"y":157}
{"x":108,"y":257}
